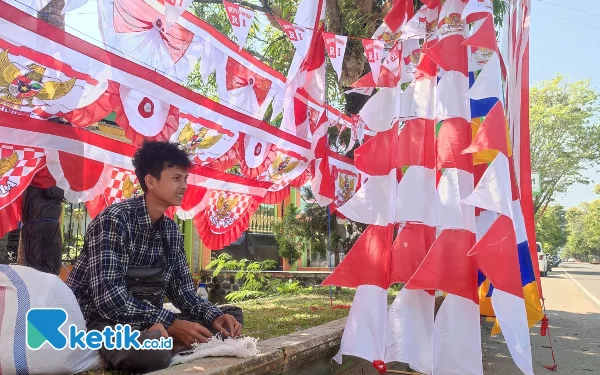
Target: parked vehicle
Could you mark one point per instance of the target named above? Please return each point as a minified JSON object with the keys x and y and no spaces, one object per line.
{"x":543,"y":261}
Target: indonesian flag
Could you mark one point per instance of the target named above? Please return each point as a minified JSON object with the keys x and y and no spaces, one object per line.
{"x":390,"y":30}
{"x":448,"y":52}
{"x":477,"y":9}
{"x":366,"y":267}
{"x":423,"y":25}
{"x":322,"y":183}
{"x":241,"y":20}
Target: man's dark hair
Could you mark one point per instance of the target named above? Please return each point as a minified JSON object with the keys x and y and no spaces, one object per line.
{"x":154,"y":157}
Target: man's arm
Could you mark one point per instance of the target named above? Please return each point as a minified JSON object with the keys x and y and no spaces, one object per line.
{"x":107,"y":257}
{"x":182,"y":293}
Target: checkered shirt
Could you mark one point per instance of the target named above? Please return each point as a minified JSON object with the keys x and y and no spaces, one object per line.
{"x":121,"y":236}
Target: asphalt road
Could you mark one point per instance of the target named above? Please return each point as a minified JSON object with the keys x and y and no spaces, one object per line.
{"x":572,"y":299}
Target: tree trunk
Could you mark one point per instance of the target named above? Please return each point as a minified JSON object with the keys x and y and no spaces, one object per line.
{"x":52,"y":14}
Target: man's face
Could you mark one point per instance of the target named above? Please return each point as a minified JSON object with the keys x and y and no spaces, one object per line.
{"x":171,"y":187}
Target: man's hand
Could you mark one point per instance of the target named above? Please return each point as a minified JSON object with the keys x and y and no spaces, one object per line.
{"x":188,"y":333}
{"x":227,"y":325}
{"x":159,"y":327}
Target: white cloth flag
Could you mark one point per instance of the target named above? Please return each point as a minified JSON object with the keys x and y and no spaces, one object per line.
{"x":335,"y":46}
{"x":241,"y":20}
{"x":408,"y":318}
{"x":173,"y":10}
{"x":71,"y":5}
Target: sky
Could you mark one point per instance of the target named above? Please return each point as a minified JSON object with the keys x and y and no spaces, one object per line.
{"x":558,"y":27}
{"x":566,"y":41}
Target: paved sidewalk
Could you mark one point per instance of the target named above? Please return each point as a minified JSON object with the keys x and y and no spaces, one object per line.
{"x":574,"y":327}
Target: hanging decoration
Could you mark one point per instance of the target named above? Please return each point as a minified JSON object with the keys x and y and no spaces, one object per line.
{"x":241,"y":20}
{"x":336,"y":48}
{"x":18,"y":165}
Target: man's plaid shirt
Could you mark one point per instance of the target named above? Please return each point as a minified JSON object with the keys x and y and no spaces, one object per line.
{"x":123,"y":235}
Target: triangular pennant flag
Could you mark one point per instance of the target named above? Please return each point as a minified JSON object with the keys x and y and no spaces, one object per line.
{"x":492,"y":133}
{"x":335,"y":46}
{"x":497,"y":256}
{"x":298,"y":35}
{"x":173,"y":10}
{"x":484,"y":36}
{"x":489,"y":81}
{"x":241,"y":20}
{"x":374,"y":54}
{"x":368,"y":262}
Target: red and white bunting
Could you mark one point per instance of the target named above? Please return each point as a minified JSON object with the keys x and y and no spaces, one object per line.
{"x":18,"y":165}
{"x":374,"y":54}
{"x":241,"y":20}
{"x":173,"y":10}
{"x":138,"y":32}
{"x":335,"y":46}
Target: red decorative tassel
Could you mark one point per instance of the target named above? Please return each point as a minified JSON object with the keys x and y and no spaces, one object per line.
{"x":544,"y":327}
{"x":379,"y":366}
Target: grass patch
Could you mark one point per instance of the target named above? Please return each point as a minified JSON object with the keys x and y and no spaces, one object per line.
{"x":280,"y":315}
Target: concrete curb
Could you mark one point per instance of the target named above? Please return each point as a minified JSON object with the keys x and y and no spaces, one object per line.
{"x":277,"y":355}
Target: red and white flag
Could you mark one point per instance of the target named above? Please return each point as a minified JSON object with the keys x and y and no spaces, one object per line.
{"x":374,"y":54}
{"x":477,"y":9}
{"x":241,"y":20}
{"x":335,"y":46}
{"x":298,"y":35}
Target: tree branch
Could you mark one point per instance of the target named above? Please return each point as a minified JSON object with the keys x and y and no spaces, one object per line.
{"x":263,"y":8}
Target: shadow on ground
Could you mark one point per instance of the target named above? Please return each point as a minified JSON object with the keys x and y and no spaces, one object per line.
{"x":575,"y":339}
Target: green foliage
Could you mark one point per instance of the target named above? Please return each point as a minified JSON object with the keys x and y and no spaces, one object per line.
{"x":289,"y":234}
{"x":565,"y":137}
{"x":289,"y":287}
{"x":583,"y":225}
{"x":241,"y":295}
{"x":255,"y":280}
{"x":551,"y":229}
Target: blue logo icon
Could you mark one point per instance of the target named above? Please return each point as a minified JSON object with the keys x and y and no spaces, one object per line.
{"x":43,"y":325}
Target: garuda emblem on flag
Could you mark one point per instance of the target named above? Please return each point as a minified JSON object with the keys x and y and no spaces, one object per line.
{"x":18,"y":89}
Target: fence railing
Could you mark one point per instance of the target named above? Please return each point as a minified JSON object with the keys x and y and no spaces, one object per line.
{"x":75,"y":222}
{"x":263,"y":219}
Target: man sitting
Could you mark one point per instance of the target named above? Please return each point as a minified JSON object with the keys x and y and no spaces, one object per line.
{"x":133,"y":256}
